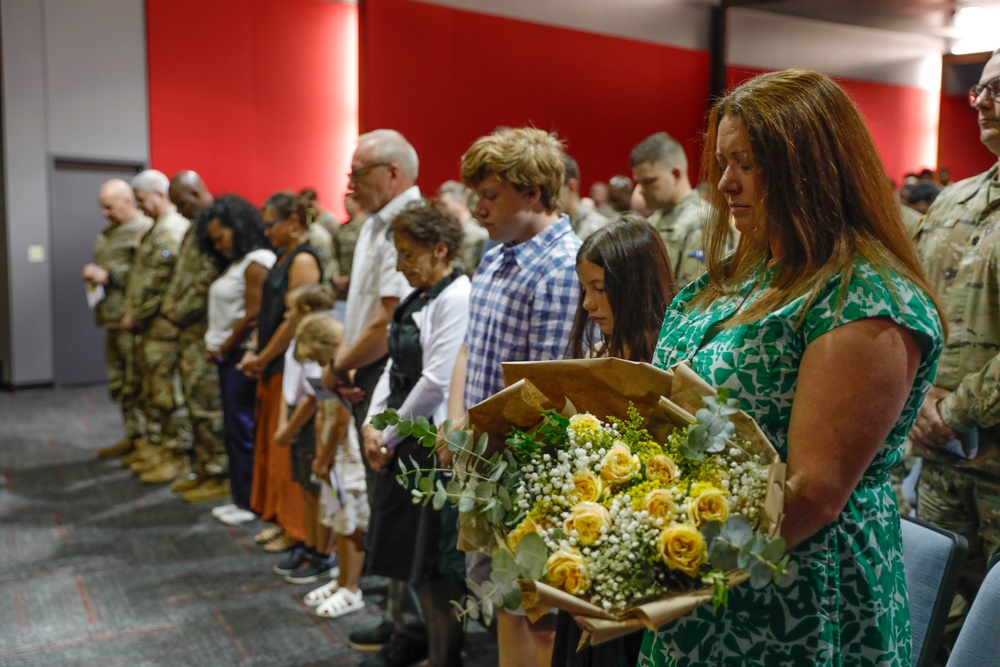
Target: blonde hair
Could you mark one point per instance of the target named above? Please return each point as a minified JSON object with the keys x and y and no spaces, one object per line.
{"x":317,"y":337}
{"x":822,"y":190}
{"x":311,"y":297}
{"x":525,"y":157}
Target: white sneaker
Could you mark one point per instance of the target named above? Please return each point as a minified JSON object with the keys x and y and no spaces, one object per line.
{"x":222,"y":510}
{"x":237,"y":516}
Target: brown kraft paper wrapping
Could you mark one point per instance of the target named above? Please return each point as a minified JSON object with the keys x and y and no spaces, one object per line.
{"x":667,"y":399}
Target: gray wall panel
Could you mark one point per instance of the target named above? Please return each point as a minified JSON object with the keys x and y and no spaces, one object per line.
{"x":26,"y":175}
{"x":95,"y":55}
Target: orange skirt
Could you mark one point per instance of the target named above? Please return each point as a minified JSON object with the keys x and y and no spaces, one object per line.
{"x":274,"y":495}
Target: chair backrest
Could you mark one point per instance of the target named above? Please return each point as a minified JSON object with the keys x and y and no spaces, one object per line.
{"x":932,"y":561}
{"x":978,"y":643}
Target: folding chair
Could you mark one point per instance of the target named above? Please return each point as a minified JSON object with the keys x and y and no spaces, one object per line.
{"x":932,"y":560}
{"x":978,"y":643}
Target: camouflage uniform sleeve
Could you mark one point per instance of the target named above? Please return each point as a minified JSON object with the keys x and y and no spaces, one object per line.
{"x":976,"y":400}
{"x":192,"y":303}
{"x":146,"y":298}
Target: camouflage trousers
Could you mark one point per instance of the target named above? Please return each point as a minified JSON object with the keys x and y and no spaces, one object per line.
{"x":970,"y":506}
{"x":203,"y":398}
{"x":124,"y":383}
{"x":168,"y":422}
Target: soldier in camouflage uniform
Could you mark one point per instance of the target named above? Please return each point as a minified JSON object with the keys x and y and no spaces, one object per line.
{"x":113,"y":253}
{"x":454,"y":197}
{"x":343,"y":246}
{"x":660,"y":169}
{"x":152,"y":269}
{"x":185,"y":305}
{"x":583,"y":219}
{"x":958,"y":243}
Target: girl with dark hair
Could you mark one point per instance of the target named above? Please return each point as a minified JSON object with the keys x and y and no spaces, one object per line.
{"x":273,"y":494}
{"x":231,"y":231}
{"x":625,"y":287}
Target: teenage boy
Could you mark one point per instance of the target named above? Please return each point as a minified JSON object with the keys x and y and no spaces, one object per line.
{"x":524,"y":296}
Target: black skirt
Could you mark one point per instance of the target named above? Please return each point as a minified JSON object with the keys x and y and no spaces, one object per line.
{"x":406,"y":541}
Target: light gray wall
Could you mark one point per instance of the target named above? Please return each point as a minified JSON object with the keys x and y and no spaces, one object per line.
{"x":74,"y":85}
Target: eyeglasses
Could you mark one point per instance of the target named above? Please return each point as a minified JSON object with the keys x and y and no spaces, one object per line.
{"x":992,"y":88}
{"x":269,"y":225}
{"x":353,"y":176}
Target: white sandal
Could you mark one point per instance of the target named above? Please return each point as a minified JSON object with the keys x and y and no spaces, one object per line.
{"x":340,"y":603}
{"x":319,"y":595}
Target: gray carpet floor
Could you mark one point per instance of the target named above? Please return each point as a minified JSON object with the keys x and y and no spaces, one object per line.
{"x":99,"y":569}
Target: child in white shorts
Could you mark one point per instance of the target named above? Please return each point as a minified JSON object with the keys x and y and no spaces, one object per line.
{"x":340,"y":471}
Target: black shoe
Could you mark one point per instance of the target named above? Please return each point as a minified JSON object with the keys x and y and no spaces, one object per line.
{"x":295,"y":559}
{"x":372,"y":639}
{"x":399,"y":652}
{"x":315,"y":567}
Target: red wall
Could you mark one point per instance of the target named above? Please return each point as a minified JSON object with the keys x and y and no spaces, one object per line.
{"x":959,"y":147}
{"x":897,"y":116}
{"x":255,"y":95}
{"x":444,"y":77}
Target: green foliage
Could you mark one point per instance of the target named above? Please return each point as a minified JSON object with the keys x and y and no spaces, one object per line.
{"x":712,"y":426}
{"x":735,"y":545}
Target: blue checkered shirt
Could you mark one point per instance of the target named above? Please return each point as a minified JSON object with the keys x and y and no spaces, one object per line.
{"x":524,"y":298}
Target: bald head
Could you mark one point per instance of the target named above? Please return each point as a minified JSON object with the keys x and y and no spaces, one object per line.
{"x":189,"y":194}
{"x":117,"y":201}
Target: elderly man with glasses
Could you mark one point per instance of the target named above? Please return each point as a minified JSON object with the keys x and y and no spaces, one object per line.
{"x":958,"y":429}
{"x":382,"y":178}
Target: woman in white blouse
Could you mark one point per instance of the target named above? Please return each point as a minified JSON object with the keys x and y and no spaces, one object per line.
{"x":414,"y":544}
{"x":231,"y":231}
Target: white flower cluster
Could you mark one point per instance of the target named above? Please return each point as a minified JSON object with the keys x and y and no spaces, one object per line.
{"x":746,"y":485}
{"x":550,"y":478}
{"x":623,"y":553}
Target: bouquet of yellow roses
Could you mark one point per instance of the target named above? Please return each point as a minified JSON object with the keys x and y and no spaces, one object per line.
{"x":622,"y":493}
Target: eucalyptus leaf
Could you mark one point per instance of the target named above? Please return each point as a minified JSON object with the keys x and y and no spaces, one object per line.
{"x":504,"y":497}
{"x":453,"y":487}
{"x":504,"y":563}
{"x":513,"y":599}
{"x":426,"y":484}
{"x":737,"y":530}
{"x":773,"y":550}
{"x":746,"y":553}
{"x":723,"y":555}
{"x":488,"y":607}
{"x":532,"y":554}
{"x":467,"y":501}
{"x":760,"y":574}
{"x":789,"y":575}
{"x":458,"y":440}
{"x":422,"y":424}
{"x":482,"y":444}
{"x":498,"y":472}
{"x":404,"y":429}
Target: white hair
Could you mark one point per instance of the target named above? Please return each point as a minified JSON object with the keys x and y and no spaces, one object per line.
{"x":391,"y":146}
{"x":151,"y":180}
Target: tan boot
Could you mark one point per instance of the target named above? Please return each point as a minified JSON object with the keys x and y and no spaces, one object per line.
{"x":121,"y":448}
{"x":186,"y":483}
{"x":143,"y":450}
{"x":170,"y":468}
{"x":146,"y":464}
{"x":210,"y":490}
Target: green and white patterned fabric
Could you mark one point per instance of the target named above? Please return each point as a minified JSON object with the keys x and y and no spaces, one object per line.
{"x":848,"y":605}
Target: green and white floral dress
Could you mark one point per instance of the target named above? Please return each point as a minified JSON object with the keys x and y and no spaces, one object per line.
{"x":848,"y":605}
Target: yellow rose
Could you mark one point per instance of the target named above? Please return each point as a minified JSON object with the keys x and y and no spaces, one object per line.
{"x":682,"y":548}
{"x":709,"y":505}
{"x":584,"y":422}
{"x":566,"y":569}
{"x":587,"y":487}
{"x":661,"y":468}
{"x":619,"y":465}
{"x":520,"y":530}
{"x":588,"y":520}
{"x":659,"y":503}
